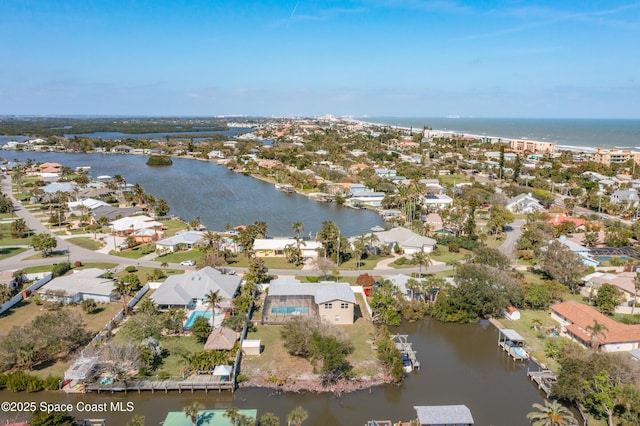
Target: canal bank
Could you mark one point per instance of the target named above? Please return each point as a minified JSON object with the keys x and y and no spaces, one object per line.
{"x":460,"y":364}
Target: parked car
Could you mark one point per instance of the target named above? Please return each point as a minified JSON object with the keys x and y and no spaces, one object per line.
{"x":188,"y":263}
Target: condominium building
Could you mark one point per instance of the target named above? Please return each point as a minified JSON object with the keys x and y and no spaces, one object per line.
{"x":534,"y":147}
{"x":607,"y":156}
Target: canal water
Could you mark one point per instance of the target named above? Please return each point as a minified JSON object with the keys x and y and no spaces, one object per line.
{"x":461,"y":364}
{"x":218,"y":196}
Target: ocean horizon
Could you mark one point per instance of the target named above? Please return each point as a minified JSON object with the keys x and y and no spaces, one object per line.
{"x":567,"y":133}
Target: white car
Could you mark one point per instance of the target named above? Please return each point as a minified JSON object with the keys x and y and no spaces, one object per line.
{"x":188,"y":263}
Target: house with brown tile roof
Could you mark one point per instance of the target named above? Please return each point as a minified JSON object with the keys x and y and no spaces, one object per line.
{"x":575,"y":317}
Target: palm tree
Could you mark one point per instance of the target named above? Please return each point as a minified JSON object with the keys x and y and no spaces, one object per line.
{"x":421,"y":259}
{"x":213,"y":298}
{"x":192,"y":412}
{"x":636,"y":288}
{"x":551,"y":414}
{"x":358,"y":249}
{"x":297,"y":416}
{"x":269,"y":419}
{"x":125,"y":290}
{"x":297,"y":227}
{"x":595,"y":331}
{"x":232,"y":413}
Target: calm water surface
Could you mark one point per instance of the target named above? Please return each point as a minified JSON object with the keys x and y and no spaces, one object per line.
{"x":461,"y":364}
{"x":199,"y":188}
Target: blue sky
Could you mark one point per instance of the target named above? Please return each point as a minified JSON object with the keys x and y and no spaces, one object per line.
{"x":576,"y":59}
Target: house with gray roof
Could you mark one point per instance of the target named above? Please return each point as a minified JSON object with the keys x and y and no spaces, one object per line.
{"x":183,"y":239}
{"x":82,"y":285}
{"x":523,"y":203}
{"x":113,"y":213}
{"x":188,"y":291}
{"x":407,"y":240}
{"x":626,"y":197}
{"x":444,"y":415}
{"x":288,"y":298}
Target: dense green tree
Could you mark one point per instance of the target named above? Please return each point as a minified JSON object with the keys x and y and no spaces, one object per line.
{"x":421,"y":259}
{"x":560,"y":263}
{"x":137,"y":420}
{"x":44,"y":243}
{"x":52,"y":418}
{"x":492,"y":257}
{"x":269,"y":419}
{"x":499,"y":217}
{"x":19,"y":228}
{"x":201,"y":329}
{"x":192,"y":412}
{"x":232,"y":413}
{"x":480,"y":290}
{"x":141,"y":326}
{"x":607,"y":299}
{"x":162,"y":208}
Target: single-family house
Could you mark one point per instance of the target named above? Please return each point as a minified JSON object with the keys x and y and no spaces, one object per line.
{"x":87,"y":203}
{"x":626,"y":197}
{"x":623,"y":281}
{"x":113,"y":213}
{"x":559,"y":219}
{"x":181,"y":240}
{"x":122,"y":149}
{"x":368,"y":197}
{"x":444,"y":415}
{"x":276,"y":247}
{"x":576,"y":319}
{"x":288,"y":298}
{"x":189,"y":290}
{"x":215,"y":154}
{"x":523,"y":203}
{"x":580,"y":250}
{"x":408,"y":241}
{"x":81,"y":285}
{"x":437,"y":201}
{"x":52,"y":188}
{"x":129,"y":225}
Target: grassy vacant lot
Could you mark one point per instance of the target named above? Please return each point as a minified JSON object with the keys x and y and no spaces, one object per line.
{"x":176,"y":347}
{"x":366,"y":264}
{"x":6,"y":240}
{"x":143,"y":273}
{"x":85,"y":242}
{"x":173,"y":226}
{"x":178,"y":257}
{"x":25,"y":311}
{"x":135,"y":252}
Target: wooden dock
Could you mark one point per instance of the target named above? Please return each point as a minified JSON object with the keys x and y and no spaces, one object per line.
{"x":192,"y":383}
{"x":404,"y":346}
{"x":544,"y":379}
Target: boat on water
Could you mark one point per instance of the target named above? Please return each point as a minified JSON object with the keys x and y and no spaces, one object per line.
{"x":284,"y":187}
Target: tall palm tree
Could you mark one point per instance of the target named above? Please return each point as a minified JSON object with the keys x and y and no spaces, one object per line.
{"x":551,"y":414}
{"x":421,"y":259}
{"x":125,"y":290}
{"x":297,"y":227}
{"x":193,"y":411}
{"x":297,"y":416}
{"x":213,"y":298}
{"x":232,"y":413}
{"x":636,"y":288}
{"x":358,"y":248}
{"x":596,"y":331}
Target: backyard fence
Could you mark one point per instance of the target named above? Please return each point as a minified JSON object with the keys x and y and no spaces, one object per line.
{"x":18,"y":297}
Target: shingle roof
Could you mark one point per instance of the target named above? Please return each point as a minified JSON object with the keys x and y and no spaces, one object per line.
{"x":444,"y":414}
{"x":404,"y":237}
{"x":181,"y":289}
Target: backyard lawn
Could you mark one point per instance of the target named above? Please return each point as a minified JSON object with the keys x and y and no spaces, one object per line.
{"x":85,"y":242}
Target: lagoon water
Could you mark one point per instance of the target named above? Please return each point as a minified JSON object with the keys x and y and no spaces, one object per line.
{"x":218,"y":196}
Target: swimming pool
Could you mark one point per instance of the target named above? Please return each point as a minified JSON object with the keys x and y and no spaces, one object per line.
{"x":289,"y":310}
{"x":196,"y":314}
{"x":608,"y":258}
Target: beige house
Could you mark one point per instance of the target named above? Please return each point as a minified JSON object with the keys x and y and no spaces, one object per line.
{"x":287,"y":298}
{"x":535,"y":147}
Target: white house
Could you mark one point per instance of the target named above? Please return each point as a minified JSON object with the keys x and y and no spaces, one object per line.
{"x":81,"y":285}
{"x":436,"y":200}
{"x":407,"y":240}
{"x":523,"y":203}
{"x":270,"y":247}
{"x":182,"y":239}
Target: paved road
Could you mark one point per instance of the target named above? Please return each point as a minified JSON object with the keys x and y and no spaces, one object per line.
{"x":513,"y":235}
{"x":88,"y":256}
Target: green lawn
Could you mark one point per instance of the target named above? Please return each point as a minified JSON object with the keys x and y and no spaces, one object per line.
{"x":366,"y":264}
{"x":450,"y":180}
{"x":177,"y":346}
{"x":173,"y":226}
{"x":6,"y":252}
{"x":136,"y":252}
{"x":57,"y":253}
{"x":144,"y":271}
{"x":85,"y":242}
{"x":6,"y":240}
{"x":178,"y":257}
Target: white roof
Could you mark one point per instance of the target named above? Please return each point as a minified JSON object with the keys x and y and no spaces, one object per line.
{"x":222,"y":370}
{"x":135,"y":223}
{"x":85,"y":281}
{"x":186,"y":237}
{"x":88,"y":202}
{"x":405,"y":238}
{"x":182,"y":289}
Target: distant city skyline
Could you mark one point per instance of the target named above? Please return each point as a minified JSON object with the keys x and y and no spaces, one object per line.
{"x":542,"y":59}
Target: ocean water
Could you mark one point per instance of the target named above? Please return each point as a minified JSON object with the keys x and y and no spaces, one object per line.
{"x":583,"y":134}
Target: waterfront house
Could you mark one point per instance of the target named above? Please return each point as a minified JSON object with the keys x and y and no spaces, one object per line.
{"x":113,"y":213}
{"x":52,"y":188}
{"x":288,"y":298}
{"x":408,"y":241}
{"x":122,"y":149}
{"x":188,"y":291}
{"x":88,"y":203}
{"x":576,"y":319}
{"x":221,"y":339}
{"x":368,"y":197}
{"x":623,"y":281}
{"x":276,"y":247}
{"x":444,"y":415}
{"x":512,"y":313}
{"x":182,"y":240}
{"x":81,"y":285}
{"x":523,"y":203}
{"x":215,"y":154}
{"x":129,"y":225}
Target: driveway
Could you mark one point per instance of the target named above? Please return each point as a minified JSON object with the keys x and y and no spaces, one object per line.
{"x":514,"y":231}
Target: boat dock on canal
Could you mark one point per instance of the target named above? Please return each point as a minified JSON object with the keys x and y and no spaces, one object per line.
{"x":406,"y":348}
{"x":192,"y":383}
{"x":544,"y":379}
